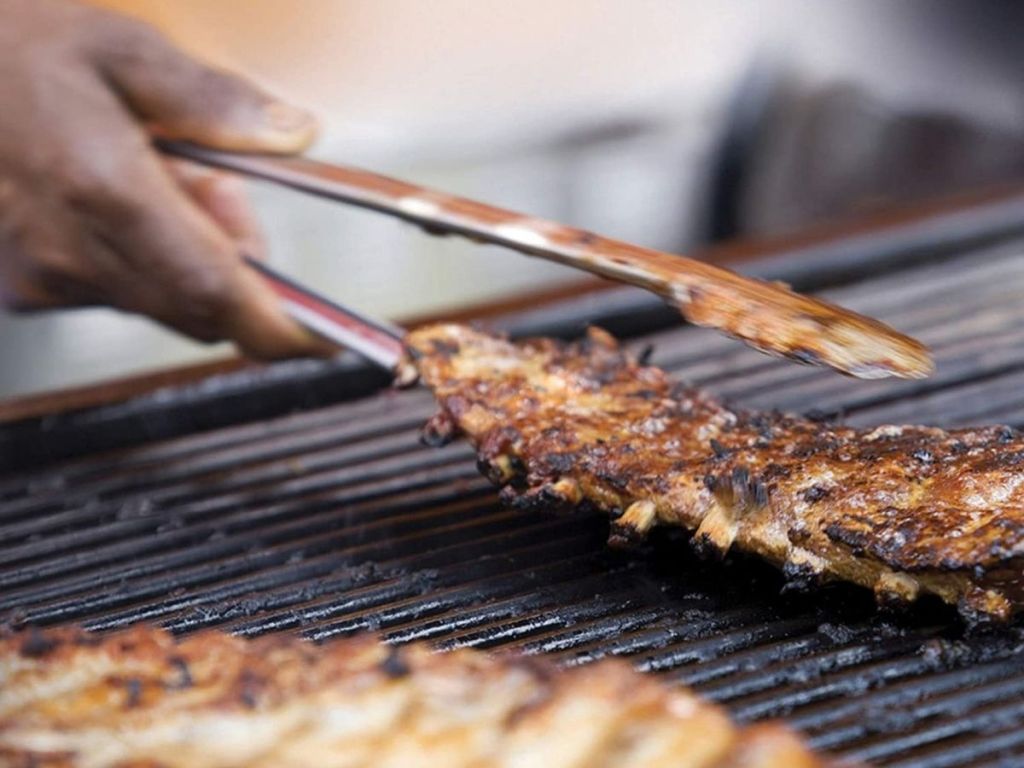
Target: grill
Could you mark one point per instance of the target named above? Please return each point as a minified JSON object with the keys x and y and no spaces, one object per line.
{"x":298,"y":499}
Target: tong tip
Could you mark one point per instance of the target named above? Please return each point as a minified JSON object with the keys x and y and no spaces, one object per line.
{"x":774,"y":319}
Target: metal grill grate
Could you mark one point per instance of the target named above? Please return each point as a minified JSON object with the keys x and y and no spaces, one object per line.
{"x":336,"y":520}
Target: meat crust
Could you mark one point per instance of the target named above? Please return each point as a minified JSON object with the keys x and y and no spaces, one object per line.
{"x":903,"y":510}
{"x":142,"y":698}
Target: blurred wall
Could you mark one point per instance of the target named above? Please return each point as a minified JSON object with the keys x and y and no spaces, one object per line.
{"x":402,"y":66}
{"x":601,"y":113}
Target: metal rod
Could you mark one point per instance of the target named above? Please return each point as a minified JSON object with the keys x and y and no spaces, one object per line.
{"x":379,"y":342}
{"x":766,"y":315}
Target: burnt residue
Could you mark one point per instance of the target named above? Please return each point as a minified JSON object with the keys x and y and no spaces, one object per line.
{"x":805,"y":356}
{"x":647,"y":394}
{"x":799,"y":577}
{"x":1007,"y":434}
{"x":443,"y":348}
{"x":560,"y":463}
{"x":182,"y":679}
{"x":133,"y":692}
{"x":815,"y":494}
{"x":612,"y":479}
{"x":773,"y":471}
{"x":394,"y":664}
{"x":439,"y":430}
{"x":500,"y":441}
{"x":38,"y":644}
{"x":759,"y":493}
{"x":820,"y":416}
{"x":824,"y":444}
{"x":923,"y":455}
{"x":765,"y":424}
{"x":706,"y":548}
{"x":250,"y":687}
{"x":740,"y":477}
{"x":622,"y":536}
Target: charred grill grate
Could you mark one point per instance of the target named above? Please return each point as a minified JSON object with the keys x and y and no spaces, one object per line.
{"x":336,"y":520}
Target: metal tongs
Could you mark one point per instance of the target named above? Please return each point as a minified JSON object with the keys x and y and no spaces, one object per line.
{"x":768,"y":316}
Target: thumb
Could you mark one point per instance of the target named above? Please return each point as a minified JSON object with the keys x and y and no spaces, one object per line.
{"x":185,"y":99}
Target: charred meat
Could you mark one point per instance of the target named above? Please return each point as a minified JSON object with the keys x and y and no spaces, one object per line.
{"x":142,"y":698}
{"x":903,"y":510}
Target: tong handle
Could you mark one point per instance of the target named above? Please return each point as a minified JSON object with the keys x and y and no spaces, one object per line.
{"x":768,"y":316}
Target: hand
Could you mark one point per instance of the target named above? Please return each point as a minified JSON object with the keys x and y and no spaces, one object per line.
{"x":90,"y":214}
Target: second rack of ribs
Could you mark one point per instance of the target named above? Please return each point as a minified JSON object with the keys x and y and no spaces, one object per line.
{"x":903,"y":510}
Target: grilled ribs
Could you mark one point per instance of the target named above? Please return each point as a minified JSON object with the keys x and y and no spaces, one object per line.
{"x":142,"y":698}
{"x":903,"y":510}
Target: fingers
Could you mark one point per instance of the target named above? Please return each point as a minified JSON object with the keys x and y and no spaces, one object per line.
{"x":183,"y":269}
{"x":44,"y":261}
{"x":119,"y":223}
{"x":89,"y":214}
{"x":222,"y":196}
{"x":185,"y":99}
{"x":260,"y":310}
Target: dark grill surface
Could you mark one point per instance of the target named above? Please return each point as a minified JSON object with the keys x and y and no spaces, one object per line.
{"x":335,"y":520}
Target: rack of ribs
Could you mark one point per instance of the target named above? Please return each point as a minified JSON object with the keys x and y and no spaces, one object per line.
{"x":902,"y":510}
{"x":142,"y":698}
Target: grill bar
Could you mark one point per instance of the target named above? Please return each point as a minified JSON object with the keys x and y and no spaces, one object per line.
{"x":336,"y":520}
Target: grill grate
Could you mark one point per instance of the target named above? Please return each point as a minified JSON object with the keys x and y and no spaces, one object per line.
{"x":336,"y":520}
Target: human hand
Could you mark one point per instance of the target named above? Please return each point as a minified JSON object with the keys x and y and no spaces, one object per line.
{"x":91,"y":215}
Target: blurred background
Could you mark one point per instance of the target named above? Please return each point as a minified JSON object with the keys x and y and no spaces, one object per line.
{"x":673,"y":124}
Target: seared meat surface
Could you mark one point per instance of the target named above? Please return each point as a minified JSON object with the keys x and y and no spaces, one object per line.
{"x":903,"y":510}
{"x":142,"y":698}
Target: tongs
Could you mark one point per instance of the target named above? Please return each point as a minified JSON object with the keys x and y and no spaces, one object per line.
{"x":766,"y":315}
